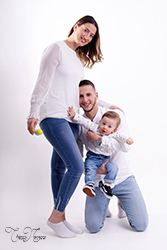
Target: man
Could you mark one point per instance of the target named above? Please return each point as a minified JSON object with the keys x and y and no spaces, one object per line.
{"x":126,"y":188}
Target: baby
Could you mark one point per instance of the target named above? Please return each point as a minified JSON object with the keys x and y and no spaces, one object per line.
{"x":99,"y":152}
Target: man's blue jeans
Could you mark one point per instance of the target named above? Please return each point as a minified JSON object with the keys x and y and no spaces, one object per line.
{"x":93,"y":162}
{"x":66,"y":164}
{"x":132,"y":203}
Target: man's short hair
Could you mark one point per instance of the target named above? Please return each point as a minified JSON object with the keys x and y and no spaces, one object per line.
{"x":87,"y":82}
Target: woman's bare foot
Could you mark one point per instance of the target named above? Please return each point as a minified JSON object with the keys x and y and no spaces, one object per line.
{"x":56,"y":216}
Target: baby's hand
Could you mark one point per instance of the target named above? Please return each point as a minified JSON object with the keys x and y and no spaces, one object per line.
{"x":71,"y":112}
{"x":129,"y":141}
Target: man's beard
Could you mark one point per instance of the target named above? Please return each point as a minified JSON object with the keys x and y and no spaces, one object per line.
{"x":87,"y":111}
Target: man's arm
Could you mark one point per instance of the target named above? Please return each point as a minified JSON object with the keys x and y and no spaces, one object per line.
{"x":102,"y":169}
{"x":91,"y":136}
{"x":108,"y":105}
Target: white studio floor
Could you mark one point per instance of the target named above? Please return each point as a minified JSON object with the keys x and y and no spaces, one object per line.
{"x":116,"y":233}
{"x":26,"y":202}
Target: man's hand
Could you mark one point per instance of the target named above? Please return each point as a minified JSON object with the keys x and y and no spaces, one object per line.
{"x":115,"y":107}
{"x":102,"y":169}
{"x":92,"y":137}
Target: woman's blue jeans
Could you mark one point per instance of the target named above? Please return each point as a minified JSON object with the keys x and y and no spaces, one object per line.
{"x":66,"y":164}
{"x":132,"y":202}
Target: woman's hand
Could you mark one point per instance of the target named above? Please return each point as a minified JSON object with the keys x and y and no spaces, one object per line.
{"x":31,"y":124}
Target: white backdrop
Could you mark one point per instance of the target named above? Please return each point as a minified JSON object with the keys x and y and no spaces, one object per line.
{"x":132,"y":76}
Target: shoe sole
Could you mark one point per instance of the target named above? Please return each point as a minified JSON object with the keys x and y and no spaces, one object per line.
{"x":88,"y":191}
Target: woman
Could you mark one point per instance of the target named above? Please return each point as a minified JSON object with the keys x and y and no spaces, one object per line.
{"x":56,"y":89}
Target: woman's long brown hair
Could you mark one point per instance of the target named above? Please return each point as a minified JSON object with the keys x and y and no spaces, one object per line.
{"x":90,"y":53}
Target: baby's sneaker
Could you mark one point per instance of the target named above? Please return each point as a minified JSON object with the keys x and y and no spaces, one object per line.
{"x":106,"y":189}
{"x":89,"y":189}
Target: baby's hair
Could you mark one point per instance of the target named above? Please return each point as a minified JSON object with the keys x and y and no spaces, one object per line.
{"x":114,"y":115}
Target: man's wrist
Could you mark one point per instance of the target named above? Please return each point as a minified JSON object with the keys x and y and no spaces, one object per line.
{"x":99,"y":141}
